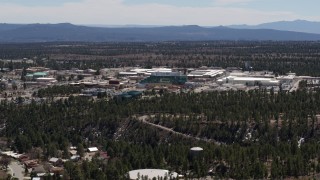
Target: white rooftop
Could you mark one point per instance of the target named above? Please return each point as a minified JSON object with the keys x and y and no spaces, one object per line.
{"x":53,"y":159}
{"x":11,"y":154}
{"x":93,"y":149}
{"x":196,"y":149}
{"x":250,"y":78}
{"x":207,"y":72}
{"x":46,"y":78}
{"x":128,"y":73}
{"x":151,"y":173}
{"x":138,"y":70}
{"x":74,"y":157}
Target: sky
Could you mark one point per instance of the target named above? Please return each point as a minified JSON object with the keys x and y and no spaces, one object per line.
{"x":157,"y":12}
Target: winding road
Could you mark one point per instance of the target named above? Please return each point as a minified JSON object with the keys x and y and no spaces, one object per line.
{"x":144,"y":118}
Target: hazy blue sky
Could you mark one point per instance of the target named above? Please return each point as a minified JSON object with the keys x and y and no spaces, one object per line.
{"x":157,"y":12}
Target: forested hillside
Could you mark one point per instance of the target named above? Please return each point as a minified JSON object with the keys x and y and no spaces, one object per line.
{"x":258,"y":133}
{"x":279,"y":57}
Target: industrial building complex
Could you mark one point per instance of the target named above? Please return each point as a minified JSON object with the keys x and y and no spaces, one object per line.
{"x":131,"y":82}
{"x":249,"y":81}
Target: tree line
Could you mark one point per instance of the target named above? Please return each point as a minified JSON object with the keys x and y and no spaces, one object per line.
{"x":279,"y":57}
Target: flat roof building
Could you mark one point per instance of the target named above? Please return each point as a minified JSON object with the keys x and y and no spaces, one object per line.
{"x":151,"y":173}
{"x":143,"y":72}
{"x":249,"y":81}
{"x":51,"y":80}
{"x":206,"y":73}
{"x":93,"y":149}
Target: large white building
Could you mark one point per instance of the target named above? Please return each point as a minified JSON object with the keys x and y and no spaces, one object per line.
{"x":46,"y":80}
{"x":249,"y":81}
{"x":151,"y":173}
{"x":205,"y":73}
{"x":144,"y":72}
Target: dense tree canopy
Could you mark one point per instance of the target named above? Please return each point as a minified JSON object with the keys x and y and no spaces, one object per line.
{"x":258,"y":133}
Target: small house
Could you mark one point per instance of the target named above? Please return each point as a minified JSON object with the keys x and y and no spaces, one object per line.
{"x":93,"y":149}
{"x":55,"y":161}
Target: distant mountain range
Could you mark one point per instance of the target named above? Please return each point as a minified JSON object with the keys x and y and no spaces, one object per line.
{"x":278,"y":31}
{"x":296,"y":26}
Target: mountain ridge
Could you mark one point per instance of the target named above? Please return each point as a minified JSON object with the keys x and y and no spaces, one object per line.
{"x":295,"y":26}
{"x":70,"y":32}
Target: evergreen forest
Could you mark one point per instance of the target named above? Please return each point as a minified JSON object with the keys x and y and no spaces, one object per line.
{"x":255,"y":134}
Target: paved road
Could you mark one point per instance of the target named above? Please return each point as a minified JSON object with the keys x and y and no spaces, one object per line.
{"x":144,"y":118}
{"x":16,"y":169}
{"x":295,"y":86}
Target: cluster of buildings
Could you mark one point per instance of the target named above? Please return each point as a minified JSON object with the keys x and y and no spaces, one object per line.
{"x":205,"y":78}
{"x":54,"y":165}
{"x":116,"y":82}
{"x":150,"y":78}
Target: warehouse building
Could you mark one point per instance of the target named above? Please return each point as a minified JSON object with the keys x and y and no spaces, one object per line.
{"x":206,"y":73}
{"x":142,"y":72}
{"x":249,"y":81}
{"x":46,"y":80}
